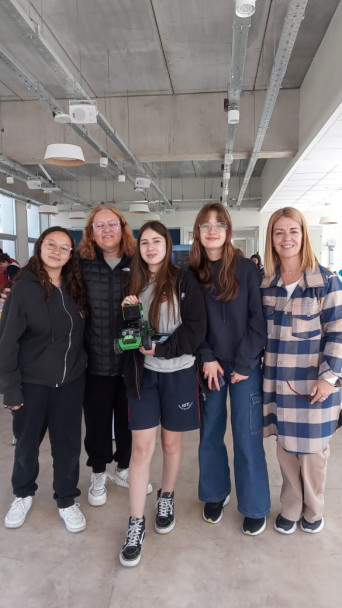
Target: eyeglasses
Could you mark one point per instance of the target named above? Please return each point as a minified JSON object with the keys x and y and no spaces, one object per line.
{"x":299,"y":395}
{"x":112,"y":225}
{"x":51,"y":246}
{"x":219,"y":227}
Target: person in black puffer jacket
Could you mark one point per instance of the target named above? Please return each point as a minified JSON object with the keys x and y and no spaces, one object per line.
{"x":105,"y":251}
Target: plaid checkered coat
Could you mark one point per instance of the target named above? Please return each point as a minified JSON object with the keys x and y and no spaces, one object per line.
{"x":304,"y":343}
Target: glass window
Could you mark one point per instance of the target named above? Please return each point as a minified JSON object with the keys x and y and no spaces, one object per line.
{"x":33,"y":228}
{"x":30,"y":249}
{"x":7,"y":215}
{"x":8,"y":247}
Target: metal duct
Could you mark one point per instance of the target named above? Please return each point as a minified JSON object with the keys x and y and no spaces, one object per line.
{"x":32,"y":32}
{"x":239,"y":48}
{"x":293,"y":18}
{"x":15,"y":169}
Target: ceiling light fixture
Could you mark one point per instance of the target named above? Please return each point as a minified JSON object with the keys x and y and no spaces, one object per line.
{"x":64,"y":155}
{"x":327,"y":220}
{"x":121,"y":177}
{"x":48,"y":210}
{"x":61,"y":118}
{"x":153,"y":217}
{"x":9,"y":179}
{"x":77,"y":215}
{"x":244,"y":8}
{"x":139,"y":208}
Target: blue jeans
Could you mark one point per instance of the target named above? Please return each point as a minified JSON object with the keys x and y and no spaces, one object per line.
{"x":250,"y":469}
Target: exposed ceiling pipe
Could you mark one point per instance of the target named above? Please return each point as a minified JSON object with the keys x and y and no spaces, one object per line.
{"x":239,"y":48}
{"x":32,"y":31}
{"x":21,"y":174}
{"x":293,"y":19}
{"x":20,"y":197}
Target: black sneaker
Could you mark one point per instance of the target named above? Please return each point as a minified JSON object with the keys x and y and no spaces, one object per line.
{"x":165,"y":518}
{"x":253,"y":527}
{"x":285,"y":526}
{"x":130,"y":554}
{"x":213,"y":511}
{"x":317,"y":526}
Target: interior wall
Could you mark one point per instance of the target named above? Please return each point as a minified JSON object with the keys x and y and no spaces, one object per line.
{"x":249,"y":225}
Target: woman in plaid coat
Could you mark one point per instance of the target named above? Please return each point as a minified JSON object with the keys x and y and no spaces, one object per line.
{"x":302,"y":367}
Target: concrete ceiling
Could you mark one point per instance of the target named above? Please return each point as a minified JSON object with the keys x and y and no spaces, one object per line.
{"x":160,"y":71}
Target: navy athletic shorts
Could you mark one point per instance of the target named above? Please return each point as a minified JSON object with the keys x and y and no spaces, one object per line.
{"x":170,"y":399}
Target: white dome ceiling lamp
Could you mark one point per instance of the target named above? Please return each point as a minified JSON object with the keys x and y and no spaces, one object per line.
{"x":244,"y":8}
{"x":48,"y":209}
{"x":152,"y":216}
{"x":64,"y":155}
{"x":139,"y":208}
{"x":325,"y":220}
{"x":77,"y":215}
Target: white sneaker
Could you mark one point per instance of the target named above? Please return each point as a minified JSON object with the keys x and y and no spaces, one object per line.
{"x":73,"y":518}
{"x":18,"y":511}
{"x":120,"y":478}
{"x":97,"y":493}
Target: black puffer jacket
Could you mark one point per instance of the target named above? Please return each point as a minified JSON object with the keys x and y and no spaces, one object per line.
{"x":105,"y":292}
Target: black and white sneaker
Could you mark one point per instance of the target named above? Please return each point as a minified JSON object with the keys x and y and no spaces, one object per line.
{"x":213,"y":511}
{"x":252,"y":526}
{"x":165,"y":518}
{"x":314,"y":528}
{"x":130,"y":554}
{"x":285,"y":526}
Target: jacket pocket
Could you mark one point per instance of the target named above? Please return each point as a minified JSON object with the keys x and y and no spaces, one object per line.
{"x":255,"y":413}
{"x":306,"y":319}
{"x":269,"y":316}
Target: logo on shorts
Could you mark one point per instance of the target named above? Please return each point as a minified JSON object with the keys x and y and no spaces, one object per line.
{"x":185,"y":406}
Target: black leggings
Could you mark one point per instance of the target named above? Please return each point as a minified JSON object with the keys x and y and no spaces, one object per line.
{"x":104,"y":396}
{"x":58,"y":410}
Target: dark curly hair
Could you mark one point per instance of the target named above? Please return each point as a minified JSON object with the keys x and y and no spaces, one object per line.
{"x":71,"y":272}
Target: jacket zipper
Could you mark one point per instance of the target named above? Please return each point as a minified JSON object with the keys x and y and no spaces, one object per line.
{"x":70,"y":332}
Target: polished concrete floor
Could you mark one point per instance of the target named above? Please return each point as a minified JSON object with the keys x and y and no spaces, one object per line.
{"x":197,"y":565}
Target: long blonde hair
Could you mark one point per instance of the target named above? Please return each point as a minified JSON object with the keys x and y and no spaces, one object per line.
{"x":87,"y":245}
{"x":271,"y":258}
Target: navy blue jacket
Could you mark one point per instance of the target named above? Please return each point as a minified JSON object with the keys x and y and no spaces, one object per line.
{"x":236,"y":330}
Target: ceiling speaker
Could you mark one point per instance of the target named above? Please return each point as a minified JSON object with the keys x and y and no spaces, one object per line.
{"x":83,"y":112}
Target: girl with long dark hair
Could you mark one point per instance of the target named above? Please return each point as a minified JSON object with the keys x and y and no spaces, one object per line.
{"x":161,"y":382}
{"x":42,"y":372}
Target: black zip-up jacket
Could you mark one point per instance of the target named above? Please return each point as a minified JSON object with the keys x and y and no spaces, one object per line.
{"x":183,"y":341}
{"x":236,"y":330}
{"x":105,"y":292}
{"x":41,"y":342}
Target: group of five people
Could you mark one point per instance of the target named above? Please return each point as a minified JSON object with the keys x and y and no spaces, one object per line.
{"x":222,"y":328}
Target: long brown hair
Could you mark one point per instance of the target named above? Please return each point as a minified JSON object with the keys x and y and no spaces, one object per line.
{"x":87,"y":245}
{"x":271,"y":258}
{"x":200,"y":263}
{"x":71,"y":272}
{"x":165,"y":279}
